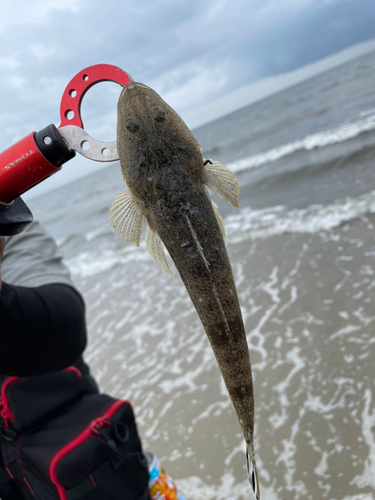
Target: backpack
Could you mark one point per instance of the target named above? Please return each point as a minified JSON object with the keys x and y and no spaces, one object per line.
{"x":62,"y":440}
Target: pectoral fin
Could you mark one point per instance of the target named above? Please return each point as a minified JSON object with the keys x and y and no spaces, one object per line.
{"x":154,"y":246}
{"x":220,"y":220}
{"x":126,"y":218}
{"x":222,"y":181}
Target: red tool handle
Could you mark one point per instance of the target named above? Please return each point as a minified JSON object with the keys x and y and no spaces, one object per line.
{"x":22,"y":166}
{"x":30,"y":161}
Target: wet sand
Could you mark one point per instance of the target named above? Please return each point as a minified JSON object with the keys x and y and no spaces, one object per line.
{"x":307,"y":302}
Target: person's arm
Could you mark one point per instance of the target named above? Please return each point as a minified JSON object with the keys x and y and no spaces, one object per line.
{"x":42,"y":329}
{"x":42,"y":316}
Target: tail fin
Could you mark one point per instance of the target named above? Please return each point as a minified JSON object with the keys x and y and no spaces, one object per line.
{"x":252,"y":473}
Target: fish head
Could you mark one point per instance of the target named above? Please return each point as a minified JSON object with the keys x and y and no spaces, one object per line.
{"x":152,"y":139}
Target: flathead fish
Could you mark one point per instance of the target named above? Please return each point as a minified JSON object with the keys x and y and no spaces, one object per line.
{"x":162,"y":165}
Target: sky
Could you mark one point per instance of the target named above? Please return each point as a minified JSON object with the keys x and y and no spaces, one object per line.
{"x":204,"y":57}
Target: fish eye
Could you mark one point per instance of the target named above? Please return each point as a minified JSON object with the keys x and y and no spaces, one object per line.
{"x":132,"y":125}
{"x":159,"y":115}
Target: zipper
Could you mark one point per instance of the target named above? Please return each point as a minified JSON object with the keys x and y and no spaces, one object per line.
{"x":5,"y":412}
{"x":6,"y":415}
{"x":91,"y":430}
{"x":73,"y":369}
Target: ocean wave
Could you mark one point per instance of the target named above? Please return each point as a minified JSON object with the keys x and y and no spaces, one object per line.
{"x":74,"y":237}
{"x":313,"y":141}
{"x":367,"y":112}
{"x":103,"y":232}
{"x":264,"y":223}
{"x":87,"y":264}
{"x":246,"y":225}
{"x":229,"y":489}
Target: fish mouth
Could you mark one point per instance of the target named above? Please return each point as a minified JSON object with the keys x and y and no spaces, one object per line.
{"x":131,"y":86}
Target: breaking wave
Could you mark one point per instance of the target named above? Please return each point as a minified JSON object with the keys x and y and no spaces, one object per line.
{"x":246,"y":225}
{"x":313,"y":141}
{"x":264,"y":223}
{"x":88,"y":264}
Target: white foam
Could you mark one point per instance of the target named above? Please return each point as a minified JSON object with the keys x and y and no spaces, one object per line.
{"x":367,"y":112}
{"x":247,"y":224}
{"x":264,"y":223}
{"x":293,"y":357}
{"x":103,"y":231}
{"x":361,"y":496}
{"x":88,"y":264}
{"x":229,"y":489}
{"x":313,"y":141}
{"x":367,"y":477}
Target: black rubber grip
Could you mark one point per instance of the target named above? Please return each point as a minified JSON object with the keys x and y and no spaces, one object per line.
{"x":52,"y":146}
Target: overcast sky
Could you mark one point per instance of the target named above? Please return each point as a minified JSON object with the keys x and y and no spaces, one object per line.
{"x":193,"y":52}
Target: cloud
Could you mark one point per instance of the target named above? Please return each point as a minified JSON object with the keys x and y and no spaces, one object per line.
{"x":17,"y":15}
{"x":9,"y":62}
{"x":15,"y":81}
{"x":263,"y":88}
{"x":188,"y":86}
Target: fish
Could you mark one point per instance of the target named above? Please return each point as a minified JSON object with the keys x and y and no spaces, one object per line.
{"x":167,"y":179}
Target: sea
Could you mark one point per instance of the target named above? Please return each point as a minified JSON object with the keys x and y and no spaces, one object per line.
{"x":302,"y":249}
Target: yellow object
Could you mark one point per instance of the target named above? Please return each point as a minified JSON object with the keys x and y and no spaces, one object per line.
{"x":161,"y":485}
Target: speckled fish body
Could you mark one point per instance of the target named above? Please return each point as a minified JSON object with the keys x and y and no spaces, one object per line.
{"x":162,"y":165}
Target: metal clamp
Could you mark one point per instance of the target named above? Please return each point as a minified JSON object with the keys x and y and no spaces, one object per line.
{"x":71,"y":127}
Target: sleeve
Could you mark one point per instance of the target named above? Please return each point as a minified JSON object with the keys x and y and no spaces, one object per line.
{"x":42,"y":329}
{"x":32,"y":258}
{"x":42,"y":316}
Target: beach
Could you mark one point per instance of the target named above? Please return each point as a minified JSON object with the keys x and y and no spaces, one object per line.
{"x":302,"y":248}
